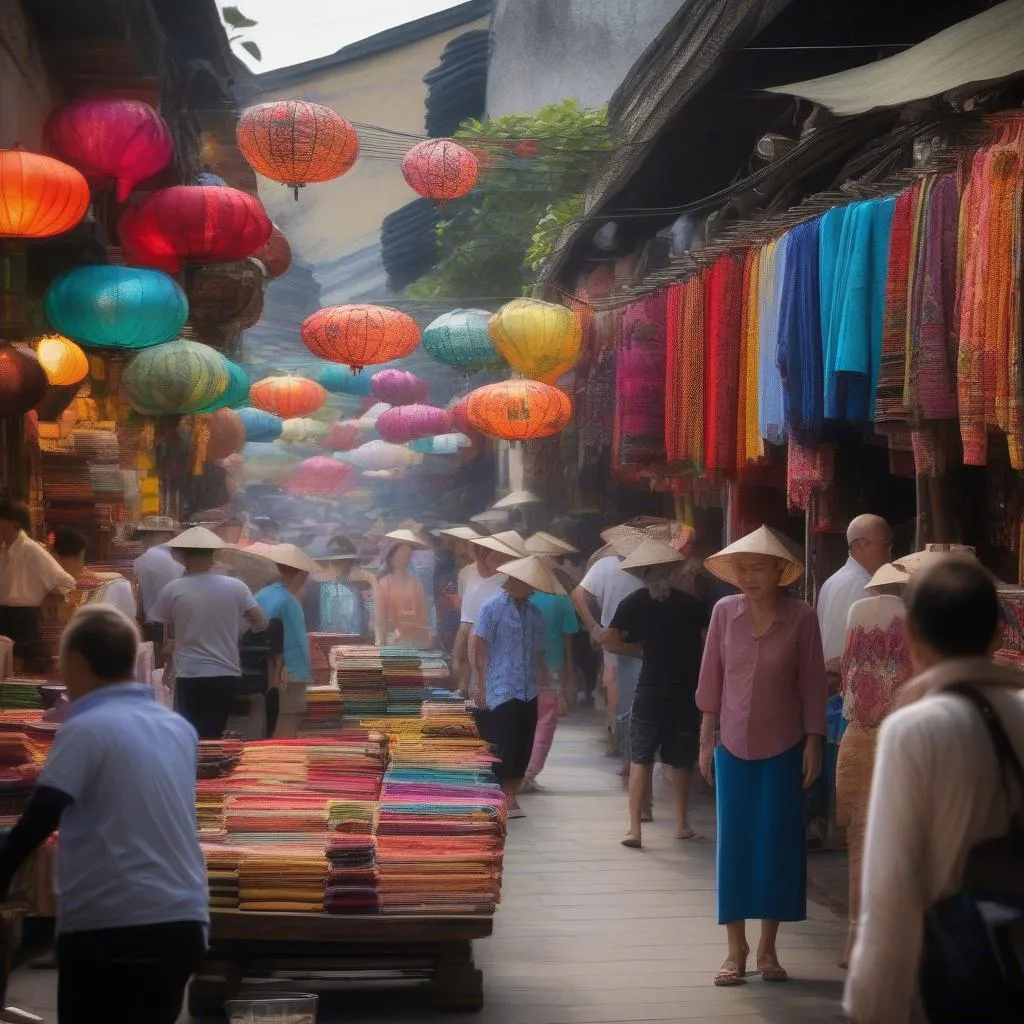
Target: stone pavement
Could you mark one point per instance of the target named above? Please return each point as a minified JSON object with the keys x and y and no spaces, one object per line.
{"x":593,"y":933}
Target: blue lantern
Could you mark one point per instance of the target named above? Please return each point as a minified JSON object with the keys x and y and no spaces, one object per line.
{"x":235,"y":394}
{"x":260,"y":425}
{"x":461,"y":339}
{"x":116,"y":307}
{"x":340,"y":380}
{"x":209,"y":178}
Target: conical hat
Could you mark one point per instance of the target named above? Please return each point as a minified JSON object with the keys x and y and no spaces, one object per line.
{"x":490,"y":516}
{"x":293,"y":556}
{"x":542,"y":543}
{"x":405,"y":536}
{"x":624,"y":540}
{"x":902,"y":570}
{"x":493,"y":544}
{"x":460,"y":533}
{"x":890,"y":575}
{"x":512,"y":539}
{"x":517,"y":498}
{"x":649,"y":554}
{"x":533,"y":571}
{"x":199,"y":538}
{"x":763,"y":541}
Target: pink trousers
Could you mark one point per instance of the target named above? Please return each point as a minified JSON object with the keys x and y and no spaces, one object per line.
{"x":547,"y":722}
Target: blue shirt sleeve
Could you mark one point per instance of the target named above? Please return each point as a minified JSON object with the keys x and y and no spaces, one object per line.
{"x":486,"y":620}
{"x":73,"y":760}
{"x":538,"y":629}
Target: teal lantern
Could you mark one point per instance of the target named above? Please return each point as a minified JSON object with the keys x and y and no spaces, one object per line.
{"x":175,"y":378}
{"x":260,"y":426}
{"x":116,"y":307}
{"x":235,"y":394}
{"x":461,"y":339}
{"x":340,"y":380}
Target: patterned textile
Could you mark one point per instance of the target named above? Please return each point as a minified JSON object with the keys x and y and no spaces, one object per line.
{"x":876,"y":660}
{"x":749,"y":447}
{"x":592,"y":419}
{"x":514,"y":633}
{"x":807,"y":470}
{"x":722,"y":316}
{"x":771,"y":409}
{"x":684,"y":414}
{"x":640,"y":391}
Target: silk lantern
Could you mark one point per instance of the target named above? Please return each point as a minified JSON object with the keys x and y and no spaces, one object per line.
{"x":376,"y":455}
{"x":235,"y":394}
{"x":23,"y":383}
{"x":301,"y":430}
{"x":399,"y":387}
{"x":319,"y":477}
{"x":360,"y":334}
{"x":226,"y":293}
{"x":63,"y":361}
{"x":276,"y":255}
{"x":459,"y":415}
{"x":115,"y":137}
{"x":340,"y":380}
{"x":461,"y":338}
{"x":342,"y":436}
{"x":540,"y":339}
{"x":287,"y":397}
{"x":209,"y":178}
{"x":408,"y":422}
{"x":296,"y":142}
{"x":39,"y":196}
{"x":440,"y":169}
{"x":441,"y":444}
{"x":227,"y":434}
{"x":264,"y":464}
{"x":260,"y":426}
{"x":519,"y":410}
{"x":200,"y":223}
{"x":175,"y":378}
{"x":116,"y":307}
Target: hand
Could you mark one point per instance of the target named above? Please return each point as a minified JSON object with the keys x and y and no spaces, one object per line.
{"x":812,"y":760}
{"x":706,"y":761}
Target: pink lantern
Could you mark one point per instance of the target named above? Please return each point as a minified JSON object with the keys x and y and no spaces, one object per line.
{"x":411,"y":422}
{"x":342,"y":436}
{"x":319,"y":477}
{"x":399,"y":387}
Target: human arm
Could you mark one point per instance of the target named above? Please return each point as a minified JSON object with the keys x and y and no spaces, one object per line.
{"x":460,"y":655}
{"x":252,"y":614}
{"x":581,"y":598}
{"x":37,"y":823}
{"x":380,"y":611}
{"x":614,"y":641}
{"x":629,"y":620}
{"x":813,"y":686}
{"x":478,"y":658}
{"x":709,"y":692}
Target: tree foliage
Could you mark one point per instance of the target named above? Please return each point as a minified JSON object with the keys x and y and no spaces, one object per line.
{"x":235,"y":19}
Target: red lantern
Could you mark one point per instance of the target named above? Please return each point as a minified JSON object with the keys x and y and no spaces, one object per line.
{"x":342,"y":436}
{"x":359,"y":335}
{"x":118,"y":138}
{"x":411,"y":422}
{"x":399,"y":387}
{"x":227,"y":434}
{"x":519,"y":410}
{"x":39,"y":196}
{"x":23,"y":382}
{"x":203,"y":223}
{"x":296,"y":142}
{"x":320,"y":477}
{"x":287,"y":397}
{"x":440,"y":169}
{"x":276,"y":255}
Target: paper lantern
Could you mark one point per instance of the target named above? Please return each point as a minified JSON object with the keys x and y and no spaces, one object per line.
{"x":342,"y":436}
{"x":399,"y":387}
{"x":226,"y":293}
{"x":209,"y":178}
{"x":459,"y":415}
{"x":175,"y":378}
{"x":340,"y":380}
{"x":116,"y":307}
{"x":235,"y":394}
{"x":118,"y":138}
{"x":377,"y":455}
{"x":442,"y":444}
{"x":260,"y":425}
{"x":276,"y":255}
{"x":200,"y":223}
{"x":64,"y":362}
{"x":287,"y":397}
{"x":39,"y":196}
{"x":301,"y":429}
{"x":319,"y":477}
{"x":540,"y":339}
{"x":264,"y":464}
{"x":440,"y":169}
{"x":23,"y":383}
{"x":227,"y":434}
{"x":461,"y":339}
{"x":519,"y":410}
{"x":409,"y":422}
{"x":296,"y":142}
{"x":358,"y":335}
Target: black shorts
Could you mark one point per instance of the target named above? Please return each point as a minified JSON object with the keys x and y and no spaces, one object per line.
{"x":509,"y":728}
{"x":665,"y":725}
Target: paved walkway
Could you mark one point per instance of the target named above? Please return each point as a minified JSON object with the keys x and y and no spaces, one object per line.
{"x":592,"y":933}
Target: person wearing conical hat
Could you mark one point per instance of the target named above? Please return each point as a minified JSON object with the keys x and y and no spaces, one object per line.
{"x":332,"y":604}
{"x":154,"y":569}
{"x":402,"y":612}
{"x":665,"y":627}
{"x":762,"y":686}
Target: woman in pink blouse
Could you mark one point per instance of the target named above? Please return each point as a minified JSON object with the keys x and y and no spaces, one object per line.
{"x":762,"y":686}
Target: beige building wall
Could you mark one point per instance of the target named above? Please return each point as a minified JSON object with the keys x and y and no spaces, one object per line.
{"x":27,"y":94}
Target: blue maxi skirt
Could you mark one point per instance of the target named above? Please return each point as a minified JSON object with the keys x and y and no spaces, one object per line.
{"x":762,"y":856}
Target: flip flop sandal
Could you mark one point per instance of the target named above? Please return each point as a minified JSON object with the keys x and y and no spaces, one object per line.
{"x":687,"y":833}
{"x":731,"y":974}
{"x":633,"y":842}
{"x":772,"y":972}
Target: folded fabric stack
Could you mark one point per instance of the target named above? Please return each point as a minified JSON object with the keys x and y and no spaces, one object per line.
{"x":323,"y":707}
{"x":403,"y":680}
{"x":358,"y":673}
{"x":287,"y":819}
{"x":435,"y":671}
{"x":448,"y":718}
{"x":24,"y":744}
{"x":218,"y":758}
{"x":289,"y":880}
{"x":351,"y":817}
{"x":352,"y":880}
{"x":222,"y":863}
{"x":320,"y":647}
{"x":211,"y":796}
{"x":21,"y":694}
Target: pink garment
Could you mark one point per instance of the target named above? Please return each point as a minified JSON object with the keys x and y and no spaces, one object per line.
{"x":547,"y":722}
{"x":768,"y":692}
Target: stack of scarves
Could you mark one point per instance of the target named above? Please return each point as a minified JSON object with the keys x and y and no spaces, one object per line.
{"x":358,"y":673}
{"x":352,"y":879}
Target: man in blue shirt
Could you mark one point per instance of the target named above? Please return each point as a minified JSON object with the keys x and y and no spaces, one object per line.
{"x":120,"y":783}
{"x":507,"y":651}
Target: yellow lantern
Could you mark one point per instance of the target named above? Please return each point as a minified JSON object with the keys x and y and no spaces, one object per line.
{"x":540,"y":339}
{"x":64,"y":362}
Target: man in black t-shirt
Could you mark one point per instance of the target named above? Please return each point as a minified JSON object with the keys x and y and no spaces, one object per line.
{"x":666,"y":627}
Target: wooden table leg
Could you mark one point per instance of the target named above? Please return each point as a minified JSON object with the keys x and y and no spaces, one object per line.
{"x":458,"y":985}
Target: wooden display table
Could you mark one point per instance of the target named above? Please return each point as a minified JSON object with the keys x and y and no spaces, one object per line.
{"x":332,"y":949}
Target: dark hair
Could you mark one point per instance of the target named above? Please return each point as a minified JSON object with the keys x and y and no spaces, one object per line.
{"x":68,"y":543}
{"x":341,"y":544}
{"x":389,"y":556}
{"x":16,"y":512}
{"x":107,"y":639}
{"x":953,"y":608}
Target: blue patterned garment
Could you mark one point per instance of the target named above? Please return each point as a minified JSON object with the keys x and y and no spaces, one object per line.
{"x":771,"y":401}
{"x":514,"y":633}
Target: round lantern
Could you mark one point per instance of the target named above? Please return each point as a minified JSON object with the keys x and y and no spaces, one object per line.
{"x":23,"y":383}
{"x":360,"y":334}
{"x":399,"y":387}
{"x":264,"y":464}
{"x":227,"y":434}
{"x":287,"y":397}
{"x":440,"y":169}
{"x":209,"y":178}
{"x":64,"y":362}
{"x":459,"y":415}
{"x":118,"y":138}
{"x":377,"y":455}
{"x":442,"y":444}
{"x":40,"y":196}
{"x":175,"y":378}
{"x":296,"y":143}
{"x":409,"y":422}
{"x":260,"y":425}
{"x":540,"y":339}
{"x":319,"y":477}
{"x":519,"y":410}
{"x":276,"y":255}
{"x":301,"y":430}
{"x":461,"y":338}
{"x":340,"y":380}
{"x":235,"y":394}
{"x":342,"y":436}
{"x":200,"y":223}
{"x":226,"y":293}
{"x":116,"y":307}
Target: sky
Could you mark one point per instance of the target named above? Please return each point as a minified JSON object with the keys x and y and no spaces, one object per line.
{"x":293,"y":31}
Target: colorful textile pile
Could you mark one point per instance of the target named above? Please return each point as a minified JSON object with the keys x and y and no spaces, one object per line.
{"x":358,"y":673}
{"x":352,"y":879}
{"x":17,"y":694}
{"x":284,"y":880}
{"x":640,"y":387}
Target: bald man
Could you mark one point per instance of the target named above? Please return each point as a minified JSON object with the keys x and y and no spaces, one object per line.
{"x":869,"y":540}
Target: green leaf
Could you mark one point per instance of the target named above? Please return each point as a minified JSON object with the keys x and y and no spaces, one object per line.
{"x":252,"y":48}
{"x":236,"y":19}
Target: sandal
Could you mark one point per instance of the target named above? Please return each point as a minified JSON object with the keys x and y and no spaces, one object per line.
{"x":687,"y":833}
{"x":770,"y":970}
{"x":633,"y":842}
{"x":731,"y":973}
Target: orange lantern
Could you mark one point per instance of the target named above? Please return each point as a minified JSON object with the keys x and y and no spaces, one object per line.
{"x":64,"y":362}
{"x":287,"y":397}
{"x":39,"y":196}
{"x":518,"y":410}
{"x":227,"y":434}
{"x":440,"y":169}
{"x":296,"y":142}
{"x":360,"y":334}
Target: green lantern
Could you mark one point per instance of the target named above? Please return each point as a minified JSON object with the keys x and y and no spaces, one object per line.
{"x":461,"y":339}
{"x":236,"y":394}
{"x":176,"y":378}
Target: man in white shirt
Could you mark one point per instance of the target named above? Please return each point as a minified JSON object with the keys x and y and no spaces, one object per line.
{"x":109,"y":588}
{"x":30,"y":580}
{"x":204,"y":614}
{"x":937,"y":792}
